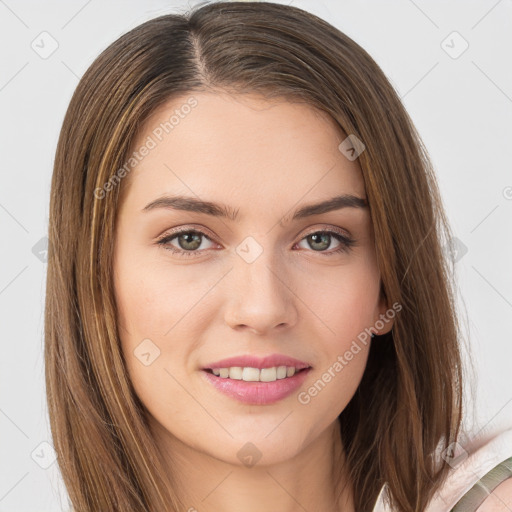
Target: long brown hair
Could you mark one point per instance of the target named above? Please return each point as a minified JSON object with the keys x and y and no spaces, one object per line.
{"x":409,"y":402}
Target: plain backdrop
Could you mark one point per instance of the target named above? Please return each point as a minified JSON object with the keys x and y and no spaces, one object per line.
{"x":450,"y":64}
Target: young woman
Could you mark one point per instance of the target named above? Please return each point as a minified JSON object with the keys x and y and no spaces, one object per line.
{"x":248,"y":301}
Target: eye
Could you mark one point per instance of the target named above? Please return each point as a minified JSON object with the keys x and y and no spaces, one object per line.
{"x":188,"y":241}
{"x":321,"y":240}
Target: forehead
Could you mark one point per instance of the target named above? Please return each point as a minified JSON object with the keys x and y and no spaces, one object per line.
{"x":238,"y":148}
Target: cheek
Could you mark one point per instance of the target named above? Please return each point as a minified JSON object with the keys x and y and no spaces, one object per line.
{"x":347,"y":316}
{"x":334,"y":385}
{"x":142,"y":323}
{"x":346,"y":303}
{"x":153,"y":297}
{"x":151,"y":365}
{"x":345,"y":300}
{"x":157,"y":311}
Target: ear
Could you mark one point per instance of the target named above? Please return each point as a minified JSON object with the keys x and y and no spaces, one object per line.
{"x":385,"y":315}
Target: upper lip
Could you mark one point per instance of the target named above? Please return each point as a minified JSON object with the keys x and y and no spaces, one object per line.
{"x":258,"y":362}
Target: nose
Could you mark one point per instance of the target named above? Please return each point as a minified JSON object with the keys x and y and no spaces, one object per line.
{"x":260,"y":296}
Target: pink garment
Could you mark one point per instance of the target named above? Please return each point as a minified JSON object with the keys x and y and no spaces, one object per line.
{"x":469,"y":467}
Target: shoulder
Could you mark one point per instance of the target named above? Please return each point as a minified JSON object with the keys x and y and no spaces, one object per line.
{"x":500,"y":500}
{"x":480,"y":479}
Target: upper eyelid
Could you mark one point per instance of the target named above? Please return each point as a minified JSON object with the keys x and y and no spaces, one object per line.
{"x":206,"y":232}
{"x":179,"y":231}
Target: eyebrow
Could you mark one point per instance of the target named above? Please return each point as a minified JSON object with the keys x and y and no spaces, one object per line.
{"x":191,"y":204}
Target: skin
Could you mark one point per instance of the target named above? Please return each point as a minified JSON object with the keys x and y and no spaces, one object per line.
{"x":500,"y":500}
{"x":264,"y":159}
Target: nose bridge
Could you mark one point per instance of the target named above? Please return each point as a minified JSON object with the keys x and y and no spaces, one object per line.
{"x":261,"y":298}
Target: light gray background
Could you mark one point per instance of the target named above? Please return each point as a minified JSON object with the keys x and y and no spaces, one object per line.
{"x":461,"y":105}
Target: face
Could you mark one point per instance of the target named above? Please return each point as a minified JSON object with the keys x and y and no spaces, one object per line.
{"x":260,"y":283}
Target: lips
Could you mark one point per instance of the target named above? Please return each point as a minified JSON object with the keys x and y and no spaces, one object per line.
{"x":257,"y":393}
{"x":270,"y":361}
{"x":257,"y":380}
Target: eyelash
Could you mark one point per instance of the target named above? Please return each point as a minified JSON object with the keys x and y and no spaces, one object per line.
{"x":346,"y":243}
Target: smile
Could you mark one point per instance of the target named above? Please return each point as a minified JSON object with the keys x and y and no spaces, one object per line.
{"x":256,"y":391}
{"x":249,"y":374}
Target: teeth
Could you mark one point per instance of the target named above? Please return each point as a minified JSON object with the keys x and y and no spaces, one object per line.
{"x":268,"y":374}
{"x":235,"y":372}
{"x":249,"y":374}
{"x":281,"y":372}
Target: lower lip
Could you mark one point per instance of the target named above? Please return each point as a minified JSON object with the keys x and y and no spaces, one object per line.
{"x":257,"y":393}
